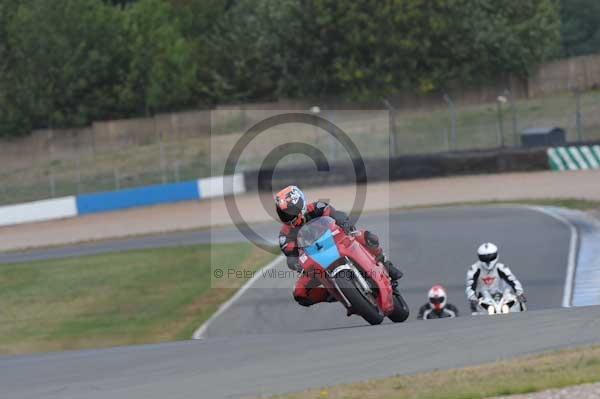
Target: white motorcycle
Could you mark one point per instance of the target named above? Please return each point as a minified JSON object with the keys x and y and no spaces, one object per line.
{"x":492,"y":303}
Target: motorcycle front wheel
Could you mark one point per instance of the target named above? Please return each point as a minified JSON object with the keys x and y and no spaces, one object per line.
{"x":361,"y":305}
{"x":401,"y":310}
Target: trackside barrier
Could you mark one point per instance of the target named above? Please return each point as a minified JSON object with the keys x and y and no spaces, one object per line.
{"x":59,"y":208}
{"x":583,"y":157}
{"x":221,"y":186}
{"x":38,"y":211}
{"x":404,"y":167}
{"x":136,"y":197}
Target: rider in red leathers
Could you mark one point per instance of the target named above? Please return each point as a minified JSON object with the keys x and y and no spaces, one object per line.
{"x":293,"y":211}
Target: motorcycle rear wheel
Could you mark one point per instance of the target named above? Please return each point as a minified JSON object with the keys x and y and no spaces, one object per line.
{"x":360,"y":304}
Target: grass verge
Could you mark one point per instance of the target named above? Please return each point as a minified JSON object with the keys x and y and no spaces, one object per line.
{"x":134,"y":297}
{"x":522,"y":375}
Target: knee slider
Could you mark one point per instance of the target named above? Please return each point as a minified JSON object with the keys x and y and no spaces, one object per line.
{"x":303,"y":301}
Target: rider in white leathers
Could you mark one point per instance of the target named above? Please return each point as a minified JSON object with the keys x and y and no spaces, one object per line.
{"x":490,"y":275}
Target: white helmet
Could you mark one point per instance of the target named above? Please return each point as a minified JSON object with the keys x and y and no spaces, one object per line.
{"x":488,"y":255}
{"x":437,"y":297}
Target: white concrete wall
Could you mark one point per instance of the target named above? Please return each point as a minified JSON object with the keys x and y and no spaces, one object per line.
{"x":217,"y":186}
{"x":38,"y":211}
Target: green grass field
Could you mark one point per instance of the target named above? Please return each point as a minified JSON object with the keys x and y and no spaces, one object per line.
{"x":134,"y":297}
{"x":516,"y":376}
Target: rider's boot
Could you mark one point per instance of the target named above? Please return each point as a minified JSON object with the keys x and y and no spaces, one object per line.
{"x":393,"y":271}
{"x":372,"y":243}
{"x":395,"y":289}
{"x":330,"y":298}
{"x":473,"y":306}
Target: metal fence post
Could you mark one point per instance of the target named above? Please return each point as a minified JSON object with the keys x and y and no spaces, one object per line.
{"x":513,"y":112}
{"x":499,"y":101}
{"x":163,"y":162}
{"x":52,"y":184}
{"x":316,"y":110}
{"x":79,"y":174}
{"x":393,"y":129}
{"x":332,"y":140}
{"x":176,"y":165}
{"x":453,"y":120}
{"x":445,"y":138}
{"x":117,"y":179}
{"x":578,"y":123}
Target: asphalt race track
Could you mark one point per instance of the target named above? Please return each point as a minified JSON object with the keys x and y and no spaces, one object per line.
{"x":430,"y":246}
{"x":271,"y":363}
{"x":265,"y":343}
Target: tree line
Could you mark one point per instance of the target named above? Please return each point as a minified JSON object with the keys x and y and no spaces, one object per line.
{"x":65,"y":63}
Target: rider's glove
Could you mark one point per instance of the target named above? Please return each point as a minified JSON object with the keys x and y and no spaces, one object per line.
{"x":474,"y":302}
{"x":293,"y":264}
{"x":522,"y":298}
{"x":347,"y":227}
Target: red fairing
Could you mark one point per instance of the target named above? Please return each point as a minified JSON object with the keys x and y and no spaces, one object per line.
{"x":350,"y":247}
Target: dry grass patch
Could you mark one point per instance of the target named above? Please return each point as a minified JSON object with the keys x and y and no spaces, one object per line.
{"x":521,"y":375}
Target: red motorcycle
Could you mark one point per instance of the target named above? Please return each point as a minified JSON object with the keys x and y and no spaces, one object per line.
{"x":349,"y":272}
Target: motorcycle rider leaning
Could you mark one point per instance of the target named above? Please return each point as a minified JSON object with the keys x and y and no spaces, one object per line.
{"x":488,"y":274}
{"x":294,"y":212}
{"x":437,"y":306}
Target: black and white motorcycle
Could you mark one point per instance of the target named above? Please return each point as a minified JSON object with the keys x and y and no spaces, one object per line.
{"x":491,"y":303}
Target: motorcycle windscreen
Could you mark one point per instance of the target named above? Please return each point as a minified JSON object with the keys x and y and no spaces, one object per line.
{"x":323,"y":251}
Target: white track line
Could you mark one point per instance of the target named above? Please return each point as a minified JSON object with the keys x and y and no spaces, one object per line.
{"x":200,"y":331}
{"x":572,"y":261}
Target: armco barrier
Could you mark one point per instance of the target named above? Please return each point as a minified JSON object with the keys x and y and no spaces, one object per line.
{"x":59,"y":208}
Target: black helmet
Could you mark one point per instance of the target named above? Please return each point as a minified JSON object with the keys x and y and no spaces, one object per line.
{"x":290,"y":205}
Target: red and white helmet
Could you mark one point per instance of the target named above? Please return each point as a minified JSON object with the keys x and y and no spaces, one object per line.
{"x":437,"y":297}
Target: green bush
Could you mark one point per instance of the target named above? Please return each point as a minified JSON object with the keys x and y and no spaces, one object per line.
{"x":67,"y":63}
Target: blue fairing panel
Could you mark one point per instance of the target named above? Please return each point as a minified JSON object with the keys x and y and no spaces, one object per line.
{"x":323,"y":251}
